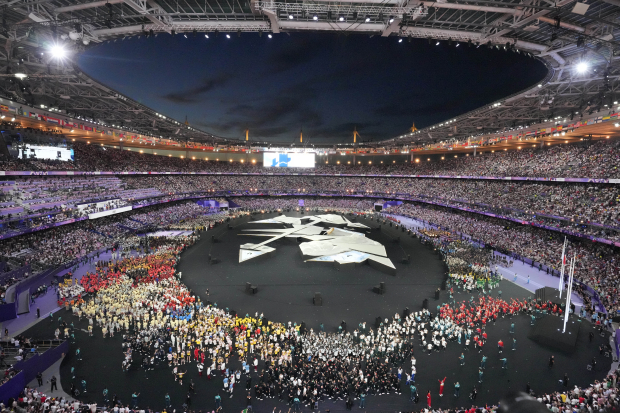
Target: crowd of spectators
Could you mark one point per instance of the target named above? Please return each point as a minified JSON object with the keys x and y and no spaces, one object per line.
{"x":162,"y":217}
{"x":197,"y":223}
{"x":63,"y":244}
{"x":597,"y":264}
{"x":590,"y":209}
{"x":273,"y":204}
{"x":598,"y":159}
{"x":593,"y":160}
{"x":585,"y":208}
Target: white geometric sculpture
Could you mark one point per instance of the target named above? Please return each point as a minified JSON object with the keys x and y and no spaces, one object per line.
{"x":249,"y":251}
{"x":325,"y":245}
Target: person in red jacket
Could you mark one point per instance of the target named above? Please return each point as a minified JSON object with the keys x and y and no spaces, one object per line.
{"x":428,"y":399}
{"x":441,"y":383}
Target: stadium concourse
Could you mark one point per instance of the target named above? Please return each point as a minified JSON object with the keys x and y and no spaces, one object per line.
{"x":166,"y":322}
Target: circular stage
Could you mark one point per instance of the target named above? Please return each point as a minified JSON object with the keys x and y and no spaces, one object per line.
{"x":286,"y":284}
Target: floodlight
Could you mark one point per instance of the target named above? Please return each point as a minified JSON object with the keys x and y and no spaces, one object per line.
{"x":270,"y":36}
{"x":315,"y":17}
{"x":582,"y":67}
{"x":400,"y":40}
{"x":227,"y":36}
{"x":58,"y":51}
{"x":391,"y":19}
{"x":367,"y":19}
{"x":341,"y":18}
{"x":291,"y":17}
{"x":437,"y":44}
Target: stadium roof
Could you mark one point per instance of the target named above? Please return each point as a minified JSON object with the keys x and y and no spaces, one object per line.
{"x":575,"y":40}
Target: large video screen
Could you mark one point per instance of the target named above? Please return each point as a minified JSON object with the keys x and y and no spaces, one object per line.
{"x":47,"y":152}
{"x":288,"y":160}
{"x":96,"y":215}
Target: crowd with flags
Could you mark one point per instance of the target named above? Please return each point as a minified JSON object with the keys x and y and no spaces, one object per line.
{"x":167,"y":326}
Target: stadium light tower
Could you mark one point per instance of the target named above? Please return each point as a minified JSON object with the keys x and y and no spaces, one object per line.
{"x":58,"y":51}
{"x":582,"y":67}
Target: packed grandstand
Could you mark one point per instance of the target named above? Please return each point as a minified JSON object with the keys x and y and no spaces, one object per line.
{"x":592,"y":159}
{"x":45,"y":225}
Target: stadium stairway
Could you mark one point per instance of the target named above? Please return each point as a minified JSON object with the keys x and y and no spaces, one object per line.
{"x":100,"y":233}
{"x":232,"y":204}
{"x":126,"y":228}
{"x":139,"y":222}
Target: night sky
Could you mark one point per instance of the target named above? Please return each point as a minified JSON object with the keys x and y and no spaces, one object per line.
{"x":326,"y":83}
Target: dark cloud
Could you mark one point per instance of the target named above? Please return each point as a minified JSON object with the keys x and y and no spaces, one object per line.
{"x":271,"y":131}
{"x":193,"y":95}
{"x":268,"y":118}
{"x":394,"y":109}
{"x":218,"y":127}
{"x":271,"y":114}
{"x":402,"y":105}
{"x":325,"y":83}
{"x":294,"y":55}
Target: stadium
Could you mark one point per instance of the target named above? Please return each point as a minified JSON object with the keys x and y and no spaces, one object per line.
{"x":225,"y":206}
